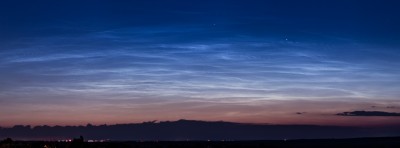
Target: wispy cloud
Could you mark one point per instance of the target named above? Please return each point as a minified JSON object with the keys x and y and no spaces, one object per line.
{"x":368,"y":113}
{"x":128,"y":65}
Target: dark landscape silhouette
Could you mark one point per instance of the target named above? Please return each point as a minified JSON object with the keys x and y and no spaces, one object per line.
{"x":201,"y":134}
{"x":192,"y":130}
{"x":387,"y":142}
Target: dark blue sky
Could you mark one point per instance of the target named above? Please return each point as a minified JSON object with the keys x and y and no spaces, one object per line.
{"x":246,"y":61}
{"x":367,"y":20}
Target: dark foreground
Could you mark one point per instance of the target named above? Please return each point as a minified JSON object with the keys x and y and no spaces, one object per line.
{"x":392,"y":142}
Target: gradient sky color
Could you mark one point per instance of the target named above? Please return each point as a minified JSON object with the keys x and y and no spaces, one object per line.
{"x":279,"y":62}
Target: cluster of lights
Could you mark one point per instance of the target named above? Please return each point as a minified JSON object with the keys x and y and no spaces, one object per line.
{"x":65,"y":140}
{"x":98,"y":140}
{"x":70,"y":140}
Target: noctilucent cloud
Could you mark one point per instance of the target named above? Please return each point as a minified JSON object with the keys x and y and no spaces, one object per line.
{"x":279,"y":62}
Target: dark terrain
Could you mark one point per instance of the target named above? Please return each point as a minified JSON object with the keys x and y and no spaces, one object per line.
{"x":191,"y":130}
{"x":389,"y":142}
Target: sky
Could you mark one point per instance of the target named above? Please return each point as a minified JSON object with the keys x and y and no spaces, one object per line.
{"x":277,"y":62}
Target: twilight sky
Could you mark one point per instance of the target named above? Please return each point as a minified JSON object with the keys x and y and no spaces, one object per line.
{"x":118,"y":61}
